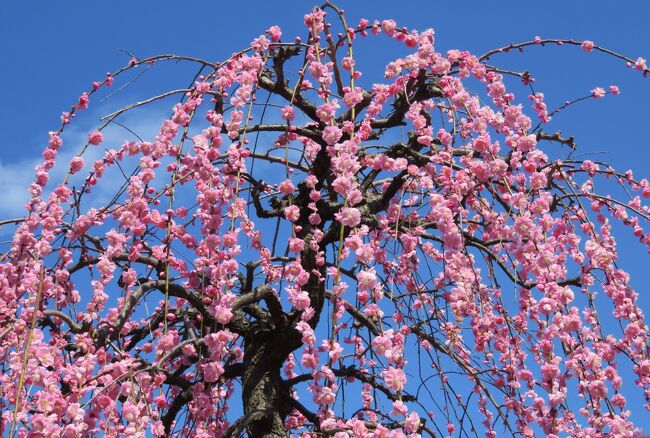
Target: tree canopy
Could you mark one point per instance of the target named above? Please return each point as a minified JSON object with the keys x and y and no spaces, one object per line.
{"x":304,"y":250}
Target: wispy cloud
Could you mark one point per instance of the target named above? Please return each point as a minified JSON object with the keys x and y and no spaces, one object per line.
{"x":16,"y":176}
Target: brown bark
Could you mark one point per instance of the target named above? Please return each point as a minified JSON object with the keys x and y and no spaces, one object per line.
{"x":264,"y":392}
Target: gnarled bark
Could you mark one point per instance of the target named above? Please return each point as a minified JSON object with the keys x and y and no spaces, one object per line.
{"x":264,"y":393}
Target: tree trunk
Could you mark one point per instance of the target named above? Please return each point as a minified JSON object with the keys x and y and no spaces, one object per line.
{"x":264,"y":396}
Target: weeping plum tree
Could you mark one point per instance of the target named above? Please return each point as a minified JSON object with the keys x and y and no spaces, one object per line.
{"x":298,"y":251}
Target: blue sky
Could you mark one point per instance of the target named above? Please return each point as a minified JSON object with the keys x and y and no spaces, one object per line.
{"x":53,"y":51}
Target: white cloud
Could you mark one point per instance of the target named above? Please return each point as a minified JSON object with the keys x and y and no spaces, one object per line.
{"x":15,"y":177}
{"x":14,"y":180}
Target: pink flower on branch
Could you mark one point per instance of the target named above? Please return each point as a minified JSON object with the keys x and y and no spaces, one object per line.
{"x":587,"y":46}
{"x":76,"y":164}
{"x":350,"y":217}
{"x":95,"y":138}
{"x":641,"y":64}
{"x":394,"y":378}
{"x":275,"y":32}
{"x":598,"y":92}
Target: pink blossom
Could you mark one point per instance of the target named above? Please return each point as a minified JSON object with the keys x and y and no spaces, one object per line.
{"x":275,"y":33}
{"x":327,"y":111}
{"x":222,"y":314}
{"x":299,"y":299}
{"x":353,"y":97}
{"x":526,"y":143}
{"x":212,"y":371}
{"x":598,"y":92}
{"x":540,"y":107}
{"x":288,"y":113}
{"x":311,"y":181}
{"x":188,"y":349}
{"x":334,"y":350}
{"x":399,"y":408}
{"x":83,"y":102}
{"x":349,"y":216}
{"x":614,"y":90}
{"x":292,"y":213}
{"x":286,"y":187}
{"x":618,"y":400}
{"x":95,"y":138}
{"x":644,"y":368}
{"x":296,"y":245}
{"x":597,"y":389}
{"x":314,"y":219}
{"x":325,"y":396}
{"x":308,"y":337}
{"x":260,"y":43}
{"x":546,"y":305}
{"x":157,"y":428}
{"x":412,"y":423}
{"x":342,"y":185}
{"x":55,"y":141}
{"x":367,"y":279}
{"x":309,"y":360}
{"x":348,"y":63}
{"x":444,"y":137}
{"x":392,"y":70}
{"x":168,"y":341}
{"x":587,"y":45}
{"x":538,"y":180}
{"x":394,"y":378}
{"x":640,"y":64}
{"x":388,"y":26}
{"x":354,"y":197}
{"x":550,"y":371}
{"x":315,"y":20}
{"x":332,"y":134}
{"x":76,"y":164}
